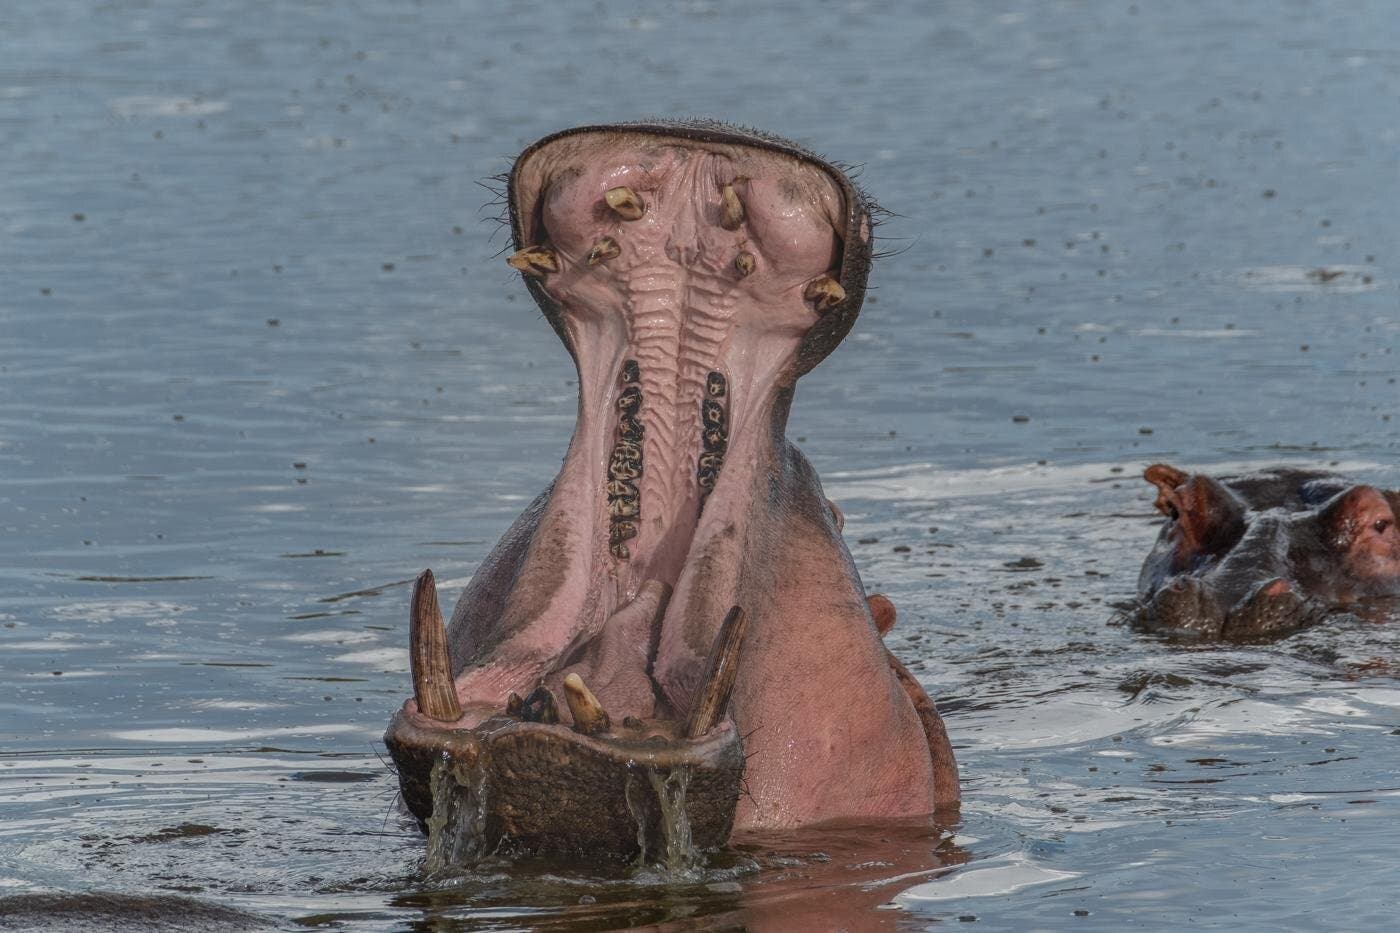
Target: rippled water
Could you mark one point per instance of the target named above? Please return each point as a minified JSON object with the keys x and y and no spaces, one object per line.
{"x":260,"y":364}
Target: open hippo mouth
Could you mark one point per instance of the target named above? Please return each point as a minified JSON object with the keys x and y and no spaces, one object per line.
{"x":693,"y":271}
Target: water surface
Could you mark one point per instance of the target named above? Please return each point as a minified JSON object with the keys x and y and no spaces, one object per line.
{"x":260,"y":363}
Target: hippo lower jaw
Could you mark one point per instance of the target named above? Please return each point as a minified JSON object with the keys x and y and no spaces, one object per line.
{"x":522,"y":779}
{"x":693,"y":272}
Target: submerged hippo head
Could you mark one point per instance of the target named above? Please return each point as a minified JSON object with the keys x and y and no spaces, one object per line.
{"x":1262,"y":555}
{"x":694,"y":271}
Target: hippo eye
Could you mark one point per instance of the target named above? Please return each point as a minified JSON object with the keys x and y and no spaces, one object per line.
{"x":1172,"y":513}
{"x":1381,"y":525}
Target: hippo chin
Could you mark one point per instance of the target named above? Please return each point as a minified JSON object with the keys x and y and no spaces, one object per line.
{"x":682,"y":582}
{"x":1258,"y":556}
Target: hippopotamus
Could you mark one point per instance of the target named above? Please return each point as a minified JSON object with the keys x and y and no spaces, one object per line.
{"x":1261,"y":555}
{"x":682,"y":582}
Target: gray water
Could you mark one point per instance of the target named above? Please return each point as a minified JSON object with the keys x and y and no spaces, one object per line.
{"x":260,"y":363}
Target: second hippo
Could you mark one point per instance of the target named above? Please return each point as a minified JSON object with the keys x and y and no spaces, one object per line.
{"x":1261,"y":555}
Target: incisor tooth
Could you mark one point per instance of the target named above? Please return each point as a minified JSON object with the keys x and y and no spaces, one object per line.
{"x":731,"y":209}
{"x":540,"y":706}
{"x":744,"y":263}
{"x":589,"y":716}
{"x":624,"y":201}
{"x":603,"y":250}
{"x":824,"y":293}
{"x":534,"y":260}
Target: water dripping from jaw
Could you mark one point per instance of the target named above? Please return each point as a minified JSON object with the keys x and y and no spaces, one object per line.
{"x":680,"y":858}
{"x":666,"y":822}
{"x":456,"y":828}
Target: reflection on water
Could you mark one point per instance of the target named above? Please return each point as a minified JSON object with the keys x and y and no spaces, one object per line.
{"x":260,"y":365}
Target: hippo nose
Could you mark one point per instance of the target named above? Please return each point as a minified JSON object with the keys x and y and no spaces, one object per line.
{"x":1185,"y":606}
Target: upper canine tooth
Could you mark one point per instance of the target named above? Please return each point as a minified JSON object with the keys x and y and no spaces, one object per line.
{"x":824,"y":293}
{"x":603,"y":250}
{"x":534,"y":260}
{"x":744,"y":263}
{"x":624,"y":201}
{"x":589,"y":716}
{"x":731,"y":209}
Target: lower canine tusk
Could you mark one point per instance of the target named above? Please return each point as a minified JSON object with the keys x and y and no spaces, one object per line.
{"x":720,"y":671}
{"x":427,"y":652}
{"x":589,"y":716}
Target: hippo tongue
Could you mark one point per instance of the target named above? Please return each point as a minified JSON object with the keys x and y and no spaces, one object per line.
{"x":685,"y":276}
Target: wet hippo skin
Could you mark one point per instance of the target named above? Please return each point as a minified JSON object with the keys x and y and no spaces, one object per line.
{"x":1262,"y":555}
{"x":682,"y":584}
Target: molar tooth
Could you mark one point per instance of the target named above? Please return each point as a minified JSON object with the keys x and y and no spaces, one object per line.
{"x":623,"y":469}
{"x":427,"y":640}
{"x":623,"y":507}
{"x":603,"y":250}
{"x":714,"y":385}
{"x":631,"y":372}
{"x":715,"y":440}
{"x":540,"y":706}
{"x":620,"y":551}
{"x":630,"y":429}
{"x":589,"y":716}
{"x":514,"y":705}
{"x":824,"y":293}
{"x":622,"y":531}
{"x":618,"y":489}
{"x":711,"y":461}
{"x":744,"y":262}
{"x":625,"y":202}
{"x":721,"y":668}
{"x":731,"y":210}
{"x":536,"y":261}
{"x":706,"y":479}
{"x":629,"y":401}
{"x":712,"y":413}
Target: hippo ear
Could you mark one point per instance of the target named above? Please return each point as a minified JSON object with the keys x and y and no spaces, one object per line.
{"x":1207,"y":514}
{"x":1166,"y":479}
